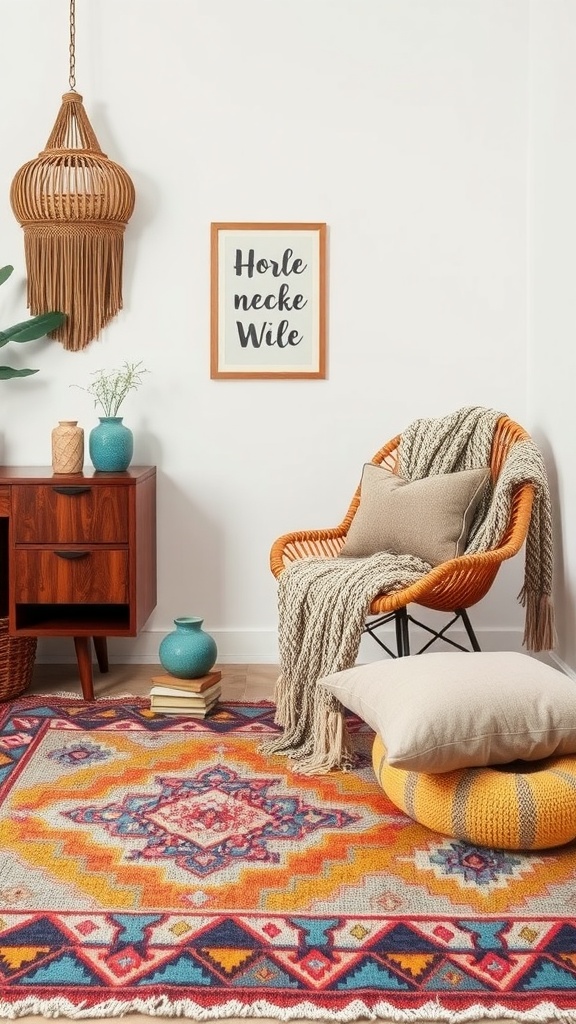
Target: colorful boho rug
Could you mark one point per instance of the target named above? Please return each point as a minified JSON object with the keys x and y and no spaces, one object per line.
{"x":164,"y":866}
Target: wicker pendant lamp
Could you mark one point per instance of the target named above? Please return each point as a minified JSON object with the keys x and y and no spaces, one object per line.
{"x":73,"y":203}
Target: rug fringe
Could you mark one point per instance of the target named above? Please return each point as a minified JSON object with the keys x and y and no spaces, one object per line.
{"x":161,"y":1006}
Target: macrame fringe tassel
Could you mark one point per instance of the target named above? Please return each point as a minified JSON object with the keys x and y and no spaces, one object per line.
{"x":539,"y":629}
{"x":75,"y":269}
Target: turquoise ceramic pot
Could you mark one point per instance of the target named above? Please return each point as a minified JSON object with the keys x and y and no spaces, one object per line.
{"x":111,"y":445}
{"x":188,"y":652}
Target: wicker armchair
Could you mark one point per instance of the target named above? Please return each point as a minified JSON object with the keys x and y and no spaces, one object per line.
{"x":451,"y":587}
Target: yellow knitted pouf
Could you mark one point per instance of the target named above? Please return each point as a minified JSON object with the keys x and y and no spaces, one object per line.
{"x":527,"y":807}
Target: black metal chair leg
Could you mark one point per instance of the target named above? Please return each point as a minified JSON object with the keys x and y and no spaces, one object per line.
{"x":405,"y":633}
{"x":468,"y":627}
{"x":399,"y":636}
{"x":402,"y":622}
{"x":402,"y":633}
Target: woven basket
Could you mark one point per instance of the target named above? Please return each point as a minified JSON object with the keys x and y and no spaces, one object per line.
{"x":17,"y":656}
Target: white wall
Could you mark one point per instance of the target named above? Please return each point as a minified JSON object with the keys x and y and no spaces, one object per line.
{"x":552,"y":345}
{"x":403,"y":126}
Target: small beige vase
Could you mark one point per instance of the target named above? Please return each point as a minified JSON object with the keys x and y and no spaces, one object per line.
{"x":68,"y":447}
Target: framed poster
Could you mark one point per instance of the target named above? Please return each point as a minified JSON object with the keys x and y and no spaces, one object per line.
{"x":268,"y":301}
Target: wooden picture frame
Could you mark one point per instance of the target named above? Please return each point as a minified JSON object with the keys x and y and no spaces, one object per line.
{"x":268,"y":301}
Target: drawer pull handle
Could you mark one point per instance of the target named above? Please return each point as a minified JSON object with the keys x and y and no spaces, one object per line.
{"x":71,"y":490}
{"x":72,"y":554}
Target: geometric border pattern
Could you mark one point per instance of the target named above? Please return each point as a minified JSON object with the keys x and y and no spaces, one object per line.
{"x":333,"y":962}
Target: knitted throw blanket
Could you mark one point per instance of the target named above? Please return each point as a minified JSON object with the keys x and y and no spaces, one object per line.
{"x":323,"y":602}
{"x":463,"y":440}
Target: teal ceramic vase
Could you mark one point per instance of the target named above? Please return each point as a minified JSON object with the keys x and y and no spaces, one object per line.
{"x":189,"y":651}
{"x":111,"y":445}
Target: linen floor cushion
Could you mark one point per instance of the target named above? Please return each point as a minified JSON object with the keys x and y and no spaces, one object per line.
{"x":513,"y":807}
{"x":439,"y":712}
{"x":429,"y":518}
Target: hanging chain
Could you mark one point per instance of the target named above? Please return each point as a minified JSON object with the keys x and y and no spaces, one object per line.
{"x":72,"y":48}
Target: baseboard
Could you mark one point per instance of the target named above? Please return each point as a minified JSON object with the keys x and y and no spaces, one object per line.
{"x":235,"y":647}
{"x":260,"y":647}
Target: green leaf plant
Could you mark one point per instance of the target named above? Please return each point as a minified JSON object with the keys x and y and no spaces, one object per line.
{"x":29,"y":330}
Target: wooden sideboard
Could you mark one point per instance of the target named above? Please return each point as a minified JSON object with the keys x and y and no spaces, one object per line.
{"x":78,"y":556}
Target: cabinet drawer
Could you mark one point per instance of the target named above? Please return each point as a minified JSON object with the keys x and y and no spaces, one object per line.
{"x":67,"y":514}
{"x":49,"y":577}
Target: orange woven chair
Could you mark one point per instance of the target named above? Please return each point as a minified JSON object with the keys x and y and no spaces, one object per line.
{"x":451,"y":587}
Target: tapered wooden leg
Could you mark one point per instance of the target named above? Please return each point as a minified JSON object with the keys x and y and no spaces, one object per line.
{"x":84,"y":659}
{"x":101,"y":648}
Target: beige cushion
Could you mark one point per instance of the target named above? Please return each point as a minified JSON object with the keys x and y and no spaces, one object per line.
{"x":439,"y":712}
{"x":429,"y":518}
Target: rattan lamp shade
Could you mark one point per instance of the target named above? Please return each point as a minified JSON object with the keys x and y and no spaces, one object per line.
{"x":74,"y":203}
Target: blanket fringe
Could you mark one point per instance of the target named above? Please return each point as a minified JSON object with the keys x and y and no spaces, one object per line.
{"x":292,"y":719}
{"x":284,"y":708}
{"x":331,"y":745}
{"x":326,"y":749}
{"x":539,"y":629}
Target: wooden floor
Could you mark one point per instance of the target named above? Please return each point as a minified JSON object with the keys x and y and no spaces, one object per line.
{"x":239,"y":682}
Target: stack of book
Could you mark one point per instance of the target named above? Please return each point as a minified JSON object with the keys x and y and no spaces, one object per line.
{"x":195,"y":697}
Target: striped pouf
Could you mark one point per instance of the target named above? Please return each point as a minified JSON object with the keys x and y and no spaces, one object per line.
{"x":513,"y":808}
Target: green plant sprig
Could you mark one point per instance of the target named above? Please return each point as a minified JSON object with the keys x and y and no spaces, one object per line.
{"x":110,"y":387}
{"x":28,"y":330}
